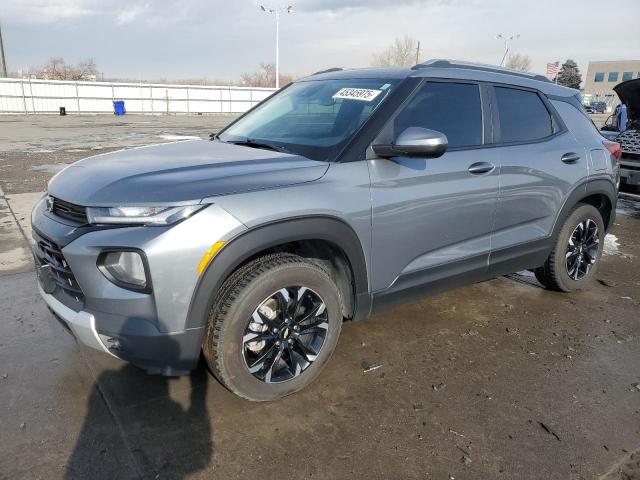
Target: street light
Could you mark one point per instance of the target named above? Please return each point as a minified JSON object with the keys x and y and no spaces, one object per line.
{"x":507,"y":42}
{"x":3,"y":63}
{"x":277,"y":12}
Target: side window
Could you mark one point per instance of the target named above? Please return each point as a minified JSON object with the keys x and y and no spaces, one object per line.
{"x":523,"y":115}
{"x":451,"y":108}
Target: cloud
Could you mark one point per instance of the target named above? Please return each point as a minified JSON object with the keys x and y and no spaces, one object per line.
{"x":119,"y":12}
{"x":223,"y":38}
{"x":130,"y":13}
{"x":340,"y":5}
{"x":122,"y":12}
{"x":47,"y":11}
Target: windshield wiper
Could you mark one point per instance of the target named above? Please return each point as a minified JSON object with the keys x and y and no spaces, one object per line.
{"x":248,"y":142}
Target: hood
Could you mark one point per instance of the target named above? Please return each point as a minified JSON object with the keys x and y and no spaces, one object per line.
{"x":179,"y":173}
{"x":629,"y":94}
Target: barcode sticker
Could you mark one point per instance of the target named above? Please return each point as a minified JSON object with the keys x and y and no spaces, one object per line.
{"x":362,"y":94}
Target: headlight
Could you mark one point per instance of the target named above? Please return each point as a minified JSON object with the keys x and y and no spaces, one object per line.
{"x":124,"y":268}
{"x":140,"y":215}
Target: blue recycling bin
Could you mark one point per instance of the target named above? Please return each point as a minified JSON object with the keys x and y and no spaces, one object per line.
{"x":118,"y":107}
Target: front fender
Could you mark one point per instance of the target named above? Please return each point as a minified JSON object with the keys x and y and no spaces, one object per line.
{"x":262,"y":237}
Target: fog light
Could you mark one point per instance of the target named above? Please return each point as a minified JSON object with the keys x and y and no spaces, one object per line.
{"x":124,"y":268}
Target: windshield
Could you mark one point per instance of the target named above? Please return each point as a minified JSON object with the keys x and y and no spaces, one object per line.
{"x":311,"y":118}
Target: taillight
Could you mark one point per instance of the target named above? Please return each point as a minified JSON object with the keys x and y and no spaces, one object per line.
{"x":613,"y":147}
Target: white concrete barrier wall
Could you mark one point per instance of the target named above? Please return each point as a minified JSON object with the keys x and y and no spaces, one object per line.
{"x":47,"y":96}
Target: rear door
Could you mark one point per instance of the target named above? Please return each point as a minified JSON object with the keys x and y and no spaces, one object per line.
{"x":540,"y":163}
{"x":433,"y":217}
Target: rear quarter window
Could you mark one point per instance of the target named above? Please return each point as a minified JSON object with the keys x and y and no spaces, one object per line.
{"x":576,"y":102}
{"x":576,"y":121}
{"x":523,"y":115}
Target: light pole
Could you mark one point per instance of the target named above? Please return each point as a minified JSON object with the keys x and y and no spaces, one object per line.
{"x":507,"y":43}
{"x":3,"y":64}
{"x":277,"y":12}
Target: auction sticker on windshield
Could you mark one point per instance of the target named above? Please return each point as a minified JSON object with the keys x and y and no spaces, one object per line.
{"x":362,"y":94}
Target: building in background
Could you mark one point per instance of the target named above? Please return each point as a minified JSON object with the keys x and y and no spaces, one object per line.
{"x":603,"y":76}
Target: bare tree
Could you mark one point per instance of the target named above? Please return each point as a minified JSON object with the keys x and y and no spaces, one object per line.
{"x":403,"y":52}
{"x":518,"y":61}
{"x":265,"y":76}
{"x":85,"y":70}
{"x":58,"y":69}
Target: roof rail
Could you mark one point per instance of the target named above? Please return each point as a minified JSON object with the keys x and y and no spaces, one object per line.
{"x":328,"y":70}
{"x":480,"y":67}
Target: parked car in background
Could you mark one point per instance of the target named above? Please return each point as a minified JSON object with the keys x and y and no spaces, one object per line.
{"x":629,"y":94}
{"x":344,"y":192}
{"x":589,"y":109}
{"x":599,"y":107}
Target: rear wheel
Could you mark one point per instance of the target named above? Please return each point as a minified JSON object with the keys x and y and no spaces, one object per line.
{"x":273,"y":327}
{"x":575,"y":257}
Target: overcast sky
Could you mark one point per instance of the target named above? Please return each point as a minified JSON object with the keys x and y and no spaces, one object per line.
{"x":176,"y":39}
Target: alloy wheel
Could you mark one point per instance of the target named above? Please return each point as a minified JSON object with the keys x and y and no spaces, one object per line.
{"x":582,"y":250}
{"x":285,"y":334}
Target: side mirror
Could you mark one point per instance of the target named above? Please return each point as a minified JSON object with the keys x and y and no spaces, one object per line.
{"x":415,"y":142}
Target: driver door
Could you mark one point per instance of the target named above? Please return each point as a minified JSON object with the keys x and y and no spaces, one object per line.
{"x":433,"y":218}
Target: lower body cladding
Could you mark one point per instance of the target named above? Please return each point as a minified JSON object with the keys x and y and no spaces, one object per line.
{"x":146,"y":327}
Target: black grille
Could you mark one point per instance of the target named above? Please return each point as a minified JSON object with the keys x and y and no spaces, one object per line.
{"x":629,"y":141}
{"x":68,"y":210}
{"x":48,"y":253}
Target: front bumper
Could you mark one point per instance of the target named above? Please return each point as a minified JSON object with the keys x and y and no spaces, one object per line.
{"x":82,"y":324}
{"x":630,"y":173}
{"x":165,"y":353}
{"x":148,"y":329}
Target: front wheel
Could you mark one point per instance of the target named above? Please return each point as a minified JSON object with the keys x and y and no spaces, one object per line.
{"x":574,"y":259}
{"x":274,"y":325}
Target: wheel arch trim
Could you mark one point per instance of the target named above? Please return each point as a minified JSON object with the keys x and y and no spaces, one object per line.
{"x":598,"y":186}
{"x":269,"y":235}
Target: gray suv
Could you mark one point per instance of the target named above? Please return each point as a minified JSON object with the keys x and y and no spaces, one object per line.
{"x":344,"y":192}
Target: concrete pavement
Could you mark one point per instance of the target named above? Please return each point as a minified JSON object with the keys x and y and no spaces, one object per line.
{"x":15,"y":256}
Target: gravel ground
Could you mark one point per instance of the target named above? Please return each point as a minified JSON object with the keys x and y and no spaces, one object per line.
{"x":501,"y":379}
{"x":34,"y":147}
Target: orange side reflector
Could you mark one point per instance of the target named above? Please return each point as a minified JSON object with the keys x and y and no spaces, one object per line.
{"x":207,"y":257}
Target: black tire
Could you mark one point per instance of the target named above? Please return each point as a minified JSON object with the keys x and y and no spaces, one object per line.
{"x":554,"y":274}
{"x":244,"y":291}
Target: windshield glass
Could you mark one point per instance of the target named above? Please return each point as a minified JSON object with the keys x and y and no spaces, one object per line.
{"x":312,"y":118}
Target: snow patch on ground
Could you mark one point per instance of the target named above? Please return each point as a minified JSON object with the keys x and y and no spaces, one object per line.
{"x":178,"y":137}
{"x":49,"y":168}
{"x":611,"y":245}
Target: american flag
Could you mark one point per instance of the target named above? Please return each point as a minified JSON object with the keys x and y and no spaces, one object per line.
{"x":552,"y":69}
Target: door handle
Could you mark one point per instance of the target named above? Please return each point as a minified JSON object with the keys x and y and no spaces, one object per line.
{"x":570,"y":157}
{"x":480,"y":168}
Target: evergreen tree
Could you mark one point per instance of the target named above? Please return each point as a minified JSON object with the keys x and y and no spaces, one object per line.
{"x":569,"y":75}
